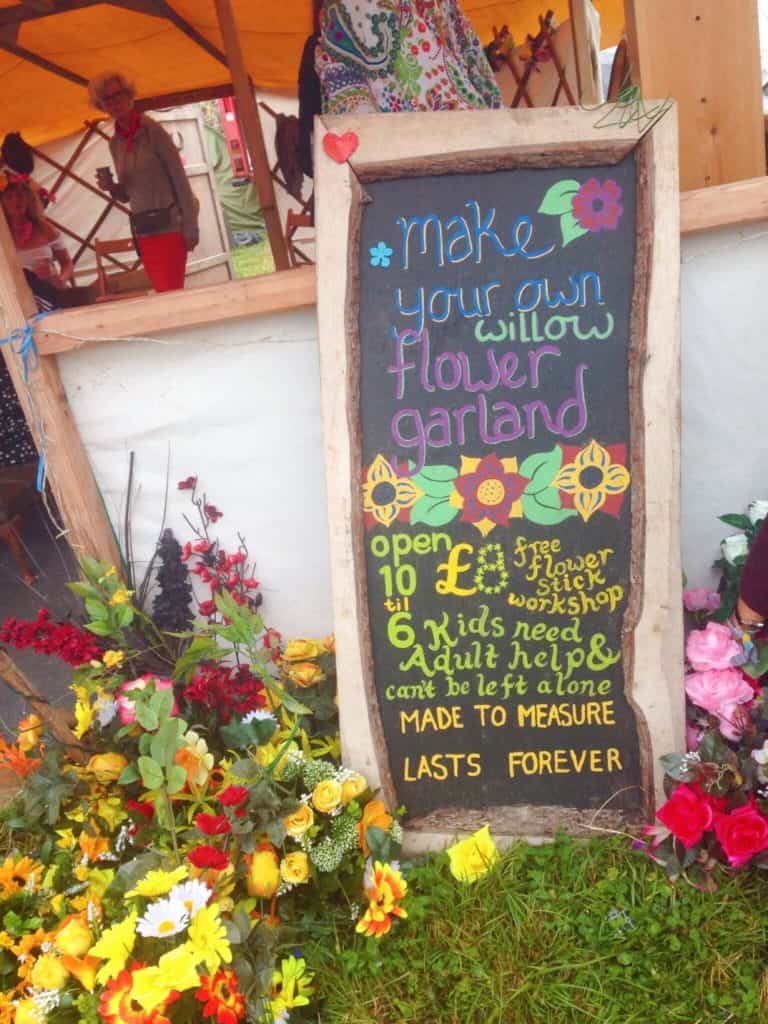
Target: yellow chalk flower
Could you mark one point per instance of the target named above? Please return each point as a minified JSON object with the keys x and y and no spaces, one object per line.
{"x":113,"y":659}
{"x":158,"y":883}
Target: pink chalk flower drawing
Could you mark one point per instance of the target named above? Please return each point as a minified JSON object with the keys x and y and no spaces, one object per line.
{"x":583,"y":208}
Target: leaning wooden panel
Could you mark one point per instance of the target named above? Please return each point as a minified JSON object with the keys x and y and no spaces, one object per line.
{"x":497,"y":296}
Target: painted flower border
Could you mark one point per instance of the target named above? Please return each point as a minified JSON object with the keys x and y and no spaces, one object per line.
{"x":546,"y":488}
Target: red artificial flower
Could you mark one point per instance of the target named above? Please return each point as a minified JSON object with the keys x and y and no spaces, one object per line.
{"x":145,"y":808}
{"x":597,"y":207}
{"x":74,"y":646}
{"x":212,"y":512}
{"x":226,"y":690}
{"x":207,"y":608}
{"x":202,"y":547}
{"x":222,"y":998}
{"x":208,"y":857}
{"x":186,"y":551}
{"x":233,"y":796}
{"x":489,"y":491}
{"x":250,"y":583}
{"x":213,"y":824}
{"x":742,"y":834}
{"x":687,"y":815}
{"x":188,"y":484}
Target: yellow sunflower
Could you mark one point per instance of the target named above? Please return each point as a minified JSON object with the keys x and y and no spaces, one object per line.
{"x":385,"y":493}
{"x":592,"y":478}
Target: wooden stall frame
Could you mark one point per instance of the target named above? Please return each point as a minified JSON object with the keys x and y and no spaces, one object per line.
{"x":653,"y":622}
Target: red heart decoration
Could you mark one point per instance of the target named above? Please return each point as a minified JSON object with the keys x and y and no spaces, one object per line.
{"x":340,"y":147}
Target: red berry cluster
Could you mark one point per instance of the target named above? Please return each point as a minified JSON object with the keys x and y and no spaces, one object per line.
{"x":226,"y":690}
{"x":216,"y":568}
{"x":65,"y":641}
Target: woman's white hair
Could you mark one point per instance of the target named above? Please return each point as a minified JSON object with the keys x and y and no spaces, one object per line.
{"x":98,"y":84}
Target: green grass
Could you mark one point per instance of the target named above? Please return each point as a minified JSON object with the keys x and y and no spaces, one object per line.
{"x":250,"y":260}
{"x":556,"y":934}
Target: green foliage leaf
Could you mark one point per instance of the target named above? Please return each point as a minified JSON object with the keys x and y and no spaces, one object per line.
{"x":558,"y":198}
{"x":176,"y":777}
{"x":124,"y":615}
{"x":537,"y":511}
{"x":96,"y":609}
{"x":760,"y":667}
{"x":166,"y":742}
{"x":713,"y":749}
{"x":239,"y":735}
{"x":99,"y":628}
{"x":202,"y":648}
{"x":128,"y":775}
{"x":436,"y":481}
{"x":289,"y":702}
{"x":146,"y":716}
{"x":379,"y":842}
{"x":83,"y":589}
{"x":93,"y":569}
{"x":675,"y":767}
{"x":570,"y":229}
{"x":433,"y":511}
{"x":739,"y":522}
{"x":541,"y":469}
{"x":161,"y":703}
{"x":151,"y":773}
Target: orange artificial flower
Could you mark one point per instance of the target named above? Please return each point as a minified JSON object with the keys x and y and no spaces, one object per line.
{"x":84,"y":969}
{"x":385,"y":888}
{"x":12,"y":757}
{"x":117,"y":1005}
{"x":374,"y":814}
{"x":30,"y":731}
{"x":15,"y":875}
{"x":92,"y":847}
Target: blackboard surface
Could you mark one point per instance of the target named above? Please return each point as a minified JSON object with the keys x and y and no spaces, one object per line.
{"x":494,"y":416}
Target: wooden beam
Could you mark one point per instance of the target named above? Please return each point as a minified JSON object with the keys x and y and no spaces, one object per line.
{"x":249,"y":115}
{"x":587,"y":67}
{"x":706,"y":56}
{"x":740,"y":202}
{"x":165,"y":10}
{"x":47,"y":411}
{"x":180,"y":99}
{"x":170,"y":311}
{"x":41,"y":62}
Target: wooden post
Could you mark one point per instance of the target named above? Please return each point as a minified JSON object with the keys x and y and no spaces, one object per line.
{"x":585,"y":54}
{"x":249,"y":114}
{"x":706,"y":56}
{"x":69,"y":472}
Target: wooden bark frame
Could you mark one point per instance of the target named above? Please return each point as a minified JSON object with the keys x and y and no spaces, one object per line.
{"x":652,"y":626}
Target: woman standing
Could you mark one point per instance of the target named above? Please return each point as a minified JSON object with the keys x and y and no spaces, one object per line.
{"x":151,"y":179}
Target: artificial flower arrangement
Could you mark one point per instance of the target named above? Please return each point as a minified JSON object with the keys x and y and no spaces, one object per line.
{"x":163,"y":862}
{"x":717,"y":807}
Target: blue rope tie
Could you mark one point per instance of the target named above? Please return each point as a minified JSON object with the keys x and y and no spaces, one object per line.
{"x":30,"y":361}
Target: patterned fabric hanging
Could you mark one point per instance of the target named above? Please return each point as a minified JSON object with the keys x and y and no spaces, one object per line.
{"x":16,"y":445}
{"x":401,"y":55}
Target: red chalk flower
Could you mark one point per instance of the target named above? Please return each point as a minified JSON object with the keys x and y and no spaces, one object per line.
{"x":489,"y":490}
{"x":233,"y":796}
{"x":597,"y":207}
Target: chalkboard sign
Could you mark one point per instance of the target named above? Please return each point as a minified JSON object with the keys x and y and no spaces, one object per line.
{"x":495,"y":318}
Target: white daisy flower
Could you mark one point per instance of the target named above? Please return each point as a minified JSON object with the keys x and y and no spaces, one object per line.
{"x":259,"y":715}
{"x":162,"y":919}
{"x":193,"y":895}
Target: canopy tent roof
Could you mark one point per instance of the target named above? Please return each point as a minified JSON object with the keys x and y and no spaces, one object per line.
{"x":50,"y":48}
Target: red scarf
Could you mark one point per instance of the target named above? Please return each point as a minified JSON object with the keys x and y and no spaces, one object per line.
{"x":22,"y":233}
{"x":129,"y":133}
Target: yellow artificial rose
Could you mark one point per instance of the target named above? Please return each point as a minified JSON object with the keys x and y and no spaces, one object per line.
{"x":294,"y":868}
{"x":107,"y":767}
{"x":327,"y":796}
{"x":30,"y":731}
{"x":300,"y":822}
{"x":472,"y":857}
{"x":305,"y":674}
{"x":28,"y":1012}
{"x":352,"y":788}
{"x":263,"y":875}
{"x":49,"y":972}
{"x":302,"y":650}
{"x":74,"y":939}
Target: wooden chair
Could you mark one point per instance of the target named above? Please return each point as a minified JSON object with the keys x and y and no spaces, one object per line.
{"x":111,"y":283}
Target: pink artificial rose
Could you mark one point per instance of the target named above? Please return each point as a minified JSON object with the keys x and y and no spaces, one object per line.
{"x":711,"y":648}
{"x":742,"y":834}
{"x":699,"y":599}
{"x":715,"y":690}
{"x":734,"y":719}
{"x":125,"y":706}
{"x":687,"y":815}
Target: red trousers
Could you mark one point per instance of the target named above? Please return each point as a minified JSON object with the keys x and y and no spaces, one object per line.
{"x":165,"y":259}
